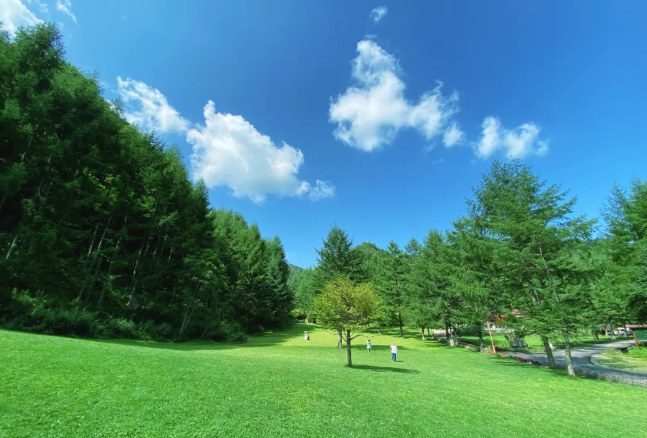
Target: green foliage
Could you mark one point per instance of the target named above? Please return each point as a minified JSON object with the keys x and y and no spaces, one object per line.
{"x":347,"y":308}
{"x":101,"y":228}
{"x":623,"y":293}
{"x":344,"y":305}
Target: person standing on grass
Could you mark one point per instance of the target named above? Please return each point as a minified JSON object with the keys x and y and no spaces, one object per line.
{"x":394,"y":352}
{"x":368,"y":346}
{"x":306,"y":336}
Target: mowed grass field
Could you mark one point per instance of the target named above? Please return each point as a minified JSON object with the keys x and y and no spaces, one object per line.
{"x":276,"y":385}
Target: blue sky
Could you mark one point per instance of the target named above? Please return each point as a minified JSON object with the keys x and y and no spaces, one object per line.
{"x":322,"y":114}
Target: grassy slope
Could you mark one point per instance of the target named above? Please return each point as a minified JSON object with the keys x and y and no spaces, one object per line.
{"x":276,"y":386}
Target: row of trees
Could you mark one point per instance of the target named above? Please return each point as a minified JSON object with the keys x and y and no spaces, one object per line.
{"x":102,"y":231}
{"x":518,"y":251}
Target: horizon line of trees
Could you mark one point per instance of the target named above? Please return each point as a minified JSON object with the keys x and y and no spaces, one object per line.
{"x":102,"y":231}
{"x":517,"y":250}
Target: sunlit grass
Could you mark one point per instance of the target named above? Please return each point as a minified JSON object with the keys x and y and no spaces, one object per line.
{"x":277,"y":385}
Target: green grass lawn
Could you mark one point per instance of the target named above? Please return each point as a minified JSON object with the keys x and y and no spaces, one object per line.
{"x":276,"y":385}
{"x":635,"y":362}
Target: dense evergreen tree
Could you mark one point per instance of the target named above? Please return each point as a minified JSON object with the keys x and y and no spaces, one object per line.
{"x":390,"y":281}
{"x":542,"y":251}
{"x":102,"y":231}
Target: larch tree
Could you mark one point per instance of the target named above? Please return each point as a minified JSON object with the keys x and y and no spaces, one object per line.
{"x":542,"y":251}
{"x":337,"y":258}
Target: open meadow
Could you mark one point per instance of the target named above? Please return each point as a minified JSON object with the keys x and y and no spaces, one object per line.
{"x":277,"y":385}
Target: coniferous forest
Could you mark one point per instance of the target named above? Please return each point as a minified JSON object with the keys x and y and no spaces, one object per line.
{"x":520,"y":256}
{"x":103,"y":233}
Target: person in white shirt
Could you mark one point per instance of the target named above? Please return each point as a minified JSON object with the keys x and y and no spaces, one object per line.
{"x":394,"y":352}
{"x":368,"y":346}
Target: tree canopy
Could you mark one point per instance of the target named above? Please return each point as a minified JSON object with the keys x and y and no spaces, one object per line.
{"x":102,"y":230}
{"x":347,"y":307}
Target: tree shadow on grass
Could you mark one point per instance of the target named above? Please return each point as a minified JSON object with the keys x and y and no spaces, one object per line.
{"x":509,"y":362}
{"x":266,"y":339}
{"x":385,"y":369}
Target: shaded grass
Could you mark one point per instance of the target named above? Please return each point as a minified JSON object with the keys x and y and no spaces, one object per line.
{"x":535,"y":343}
{"x":277,"y":385}
{"x":615,"y":359}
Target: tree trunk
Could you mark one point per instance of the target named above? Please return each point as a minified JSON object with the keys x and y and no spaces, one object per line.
{"x":94,"y":260}
{"x":135,"y":271}
{"x":191,"y":306}
{"x":112,"y":261}
{"x":569,"y":359}
{"x":567,"y":344}
{"x":453,"y":338}
{"x":481,"y":345}
{"x":610,"y":330}
{"x":4,"y":196}
{"x":400,"y":317}
{"x":348,"y":354}
{"x":339,"y":343}
{"x":423,"y":333}
{"x":595,"y":334}
{"x":549,"y":352}
{"x":13,"y":243}
{"x":379,"y":329}
{"x":428,"y":334}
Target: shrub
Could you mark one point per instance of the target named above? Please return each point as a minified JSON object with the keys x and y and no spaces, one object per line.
{"x":229,"y":332}
{"x":70,"y":322}
{"x":122,"y":328}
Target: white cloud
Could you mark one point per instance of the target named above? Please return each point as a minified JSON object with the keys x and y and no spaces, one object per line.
{"x":13,"y":14}
{"x":323,"y":189}
{"x":519,"y":142}
{"x":42,"y":6}
{"x":378,"y":13}
{"x":453,"y":135}
{"x":372,"y":113}
{"x":227,"y":150}
{"x":155,"y":111}
{"x":439,"y":161}
{"x":65,"y":6}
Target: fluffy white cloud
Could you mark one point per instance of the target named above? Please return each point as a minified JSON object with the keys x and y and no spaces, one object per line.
{"x":323,"y":189}
{"x":227,"y":150}
{"x":378,"y":13}
{"x":13,"y":14}
{"x":154,"y":110}
{"x":65,"y":6}
{"x":372,"y":113}
{"x":515,"y":143}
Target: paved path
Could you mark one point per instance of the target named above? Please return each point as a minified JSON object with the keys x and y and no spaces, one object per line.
{"x":582,"y":359}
